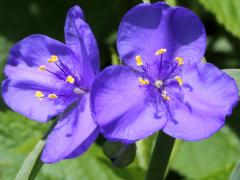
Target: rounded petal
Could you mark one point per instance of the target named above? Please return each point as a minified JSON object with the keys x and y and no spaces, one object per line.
{"x":36,"y":50}
{"x":80,"y":39}
{"x":122,"y":108}
{"x":209,"y":96}
{"x":72,"y":136}
{"x":149,"y":27}
{"x":24,"y":78}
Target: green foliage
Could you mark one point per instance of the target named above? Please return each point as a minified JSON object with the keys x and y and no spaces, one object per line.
{"x":213,"y":158}
{"x":226,"y":12}
{"x":19,"y":138}
{"x":236,"y":172}
{"x":32,"y":163}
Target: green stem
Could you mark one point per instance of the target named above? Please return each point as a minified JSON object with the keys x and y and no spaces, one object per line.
{"x":146,"y":1}
{"x":32,"y":164}
{"x":160,"y":157}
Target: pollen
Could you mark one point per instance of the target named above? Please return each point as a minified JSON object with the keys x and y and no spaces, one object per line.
{"x":53,"y":59}
{"x":179,"y":60}
{"x":39,"y":94}
{"x":179,"y":80}
{"x":143,"y":81}
{"x":165,"y":96}
{"x":42,"y":68}
{"x":160,"y":51}
{"x":158,"y":83}
{"x":52,"y":96}
{"x":70,"y":79}
{"x":138,"y":60}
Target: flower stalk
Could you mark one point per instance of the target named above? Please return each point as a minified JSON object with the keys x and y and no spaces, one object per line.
{"x":160,"y":157}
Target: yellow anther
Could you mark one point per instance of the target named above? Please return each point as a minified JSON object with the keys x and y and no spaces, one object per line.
{"x":160,"y":51}
{"x":143,"y":81}
{"x":39,"y":94}
{"x":165,"y":96}
{"x":179,"y":80}
{"x":179,"y":60}
{"x":53,"y":58}
{"x":70,"y":79}
{"x":52,"y":96}
{"x":42,"y":68}
{"x":138,"y":60}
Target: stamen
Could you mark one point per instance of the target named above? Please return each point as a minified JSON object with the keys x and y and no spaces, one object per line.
{"x":179,"y":80}
{"x":70,"y":79}
{"x":160,"y":51}
{"x":179,"y":60}
{"x":52,"y":96}
{"x":138,"y":60}
{"x":39,"y":94}
{"x":165,"y":96}
{"x":42,"y":68}
{"x":143,"y":81}
{"x":53,"y":59}
{"x":158,"y":83}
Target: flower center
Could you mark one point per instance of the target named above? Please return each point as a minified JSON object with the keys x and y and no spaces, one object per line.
{"x":65,"y":75}
{"x":162,"y":74}
{"x":158,"y":83}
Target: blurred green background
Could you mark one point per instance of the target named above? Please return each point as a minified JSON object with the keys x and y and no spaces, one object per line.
{"x":214,"y":158}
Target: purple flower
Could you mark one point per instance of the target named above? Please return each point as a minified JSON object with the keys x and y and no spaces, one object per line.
{"x":46,"y":78}
{"x":164,"y":86}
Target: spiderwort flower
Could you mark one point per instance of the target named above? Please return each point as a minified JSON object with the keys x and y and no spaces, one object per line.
{"x":164,"y":85}
{"x":46,"y":78}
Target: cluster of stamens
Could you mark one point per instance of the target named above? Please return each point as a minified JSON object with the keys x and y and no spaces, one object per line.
{"x":159,"y":83}
{"x":69,"y":79}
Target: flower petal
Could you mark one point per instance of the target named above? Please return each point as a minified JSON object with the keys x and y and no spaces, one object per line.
{"x":149,"y":27}
{"x":72,"y":136}
{"x":209,"y":96}
{"x":24,"y":78}
{"x":80,"y":39}
{"x":122,"y":108}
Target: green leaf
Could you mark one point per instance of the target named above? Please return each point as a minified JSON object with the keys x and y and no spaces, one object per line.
{"x":32,"y":163}
{"x":227,"y":13}
{"x":236,"y":172}
{"x":213,"y":158}
{"x":114,"y":57}
{"x":235,"y":74}
{"x":18,"y":135}
{"x":171,"y":2}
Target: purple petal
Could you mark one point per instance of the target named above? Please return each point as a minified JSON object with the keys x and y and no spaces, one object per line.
{"x":73,"y":134}
{"x":209,"y":96}
{"x":24,"y":78}
{"x":122,"y":108}
{"x":80,"y":39}
{"x":149,"y":27}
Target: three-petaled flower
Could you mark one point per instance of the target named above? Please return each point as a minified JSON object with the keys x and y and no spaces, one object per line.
{"x":164,"y":85}
{"x":46,"y":78}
